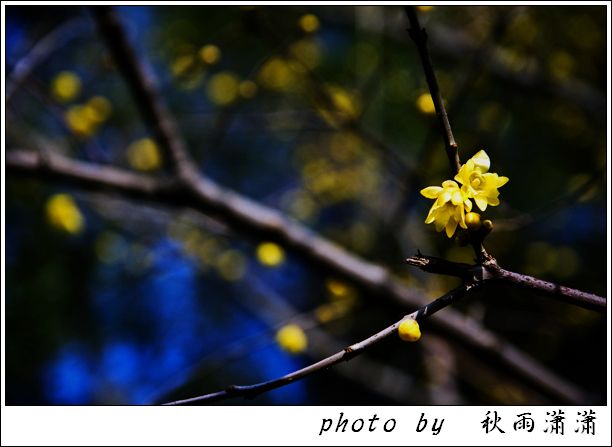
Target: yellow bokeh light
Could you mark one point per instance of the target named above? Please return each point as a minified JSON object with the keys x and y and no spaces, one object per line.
{"x":523,"y":28}
{"x":300,"y":205}
{"x":192,"y":241}
{"x":83,"y":120}
{"x":182,"y":64}
{"x":561,"y":65}
{"x":79,"y":121}
{"x":342,"y":295}
{"x":424,"y":8}
{"x":346,"y":102}
{"x":210,"y":249}
{"x":292,"y":338}
{"x":325,"y":313}
{"x":232,"y":265}
{"x":98,"y":109}
{"x":222,"y":88}
{"x":247,"y":89}
{"x":211,"y":54}
{"x":309,"y":23}
{"x":337,"y":288}
{"x":144,"y":155}
{"x":270,"y":254}
{"x":276,"y":74}
{"x":63,"y":214}
{"x":307,"y":52}
{"x":66,"y":86}
{"x":425,"y":104}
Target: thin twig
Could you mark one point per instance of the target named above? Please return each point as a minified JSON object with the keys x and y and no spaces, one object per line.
{"x":252,"y":391}
{"x":491,"y":272}
{"x":419,"y":36}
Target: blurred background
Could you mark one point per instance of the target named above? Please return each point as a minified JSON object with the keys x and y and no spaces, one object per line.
{"x":322,"y":113}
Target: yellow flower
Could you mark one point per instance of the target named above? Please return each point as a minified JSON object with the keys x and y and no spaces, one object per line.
{"x":478,"y":184}
{"x":449,"y":208}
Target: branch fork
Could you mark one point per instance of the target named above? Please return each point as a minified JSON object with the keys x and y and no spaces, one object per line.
{"x":490,"y":271}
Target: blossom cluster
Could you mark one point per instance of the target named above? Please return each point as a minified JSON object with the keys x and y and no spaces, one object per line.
{"x":453,"y":202}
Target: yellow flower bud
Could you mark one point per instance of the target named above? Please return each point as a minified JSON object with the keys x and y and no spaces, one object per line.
{"x":472,"y":220}
{"x":409,"y":330}
{"x":487,"y":226}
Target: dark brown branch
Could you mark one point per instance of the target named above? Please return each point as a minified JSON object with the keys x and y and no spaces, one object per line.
{"x":144,"y":92}
{"x":419,"y":36}
{"x":260,"y":221}
{"x":491,"y":272}
{"x":562,"y":293}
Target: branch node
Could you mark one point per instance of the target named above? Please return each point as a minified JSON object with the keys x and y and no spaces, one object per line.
{"x":349,"y":353}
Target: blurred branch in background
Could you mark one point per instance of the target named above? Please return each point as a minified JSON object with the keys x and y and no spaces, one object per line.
{"x":363,"y":274}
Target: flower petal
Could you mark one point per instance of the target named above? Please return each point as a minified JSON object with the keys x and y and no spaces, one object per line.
{"x":432,"y":192}
{"x":462,"y":174}
{"x":451,"y":227}
{"x":457,"y":198}
{"x":459,"y":216}
{"x":432,"y":214}
{"x":493,"y":201}
{"x":468,"y":204}
{"x":481,"y":201}
{"x":501,"y":181}
{"x":481,"y":160}
{"x":444,"y":197}
{"x":439,"y":226}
